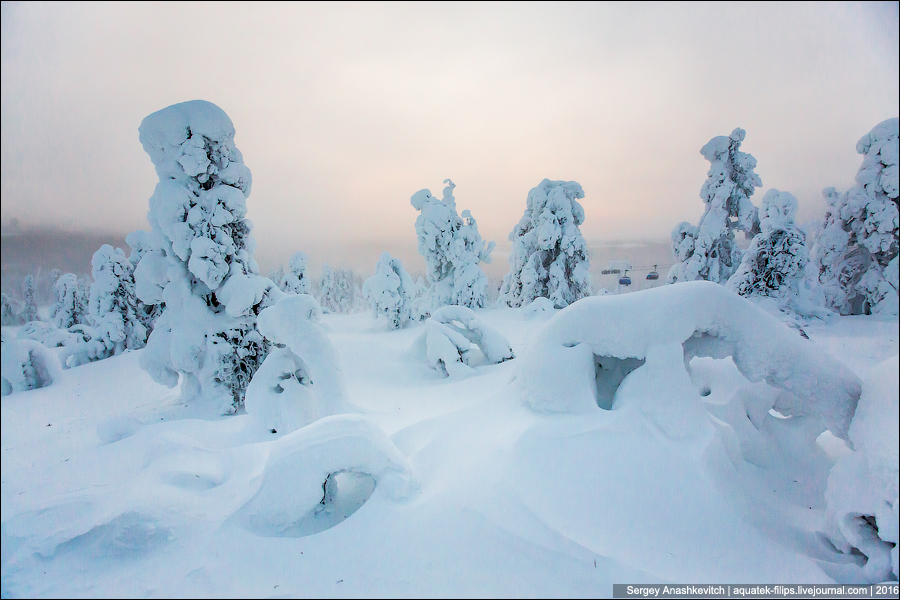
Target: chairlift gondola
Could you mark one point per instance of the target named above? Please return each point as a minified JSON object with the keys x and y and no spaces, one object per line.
{"x":653,"y":275}
{"x":625,"y":279}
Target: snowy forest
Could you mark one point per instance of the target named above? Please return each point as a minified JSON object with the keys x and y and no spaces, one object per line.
{"x":390,"y":434}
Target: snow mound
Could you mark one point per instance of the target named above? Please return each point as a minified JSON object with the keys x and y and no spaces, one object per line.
{"x":27,"y":365}
{"x":449,"y":335}
{"x":590,"y":353}
{"x":862,"y":495}
{"x":299,"y":383}
{"x":298,"y":476}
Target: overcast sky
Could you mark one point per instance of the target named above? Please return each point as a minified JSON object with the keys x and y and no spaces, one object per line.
{"x":343,"y":111}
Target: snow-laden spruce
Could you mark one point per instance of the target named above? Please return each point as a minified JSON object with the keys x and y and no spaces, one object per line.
{"x":862,"y":496}
{"x":300,"y":380}
{"x":10,"y":310}
{"x":67,"y":310}
{"x":452,"y":248}
{"x":296,"y":281}
{"x":199,"y":257}
{"x":714,"y":255}
{"x":633,"y":350}
{"x":549,"y":257}
{"x":856,"y":250}
{"x":450,"y":333}
{"x":29,"y":310}
{"x":390,"y":292}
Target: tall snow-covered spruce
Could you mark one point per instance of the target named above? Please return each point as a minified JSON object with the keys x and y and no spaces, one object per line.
{"x":857,"y":247}
{"x":549,"y":257}
{"x":198,"y":259}
{"x":731,"y":180}
{"x":452,"y":248}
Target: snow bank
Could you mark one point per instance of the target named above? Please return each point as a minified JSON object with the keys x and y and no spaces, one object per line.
{"x":300,"y":464}
{"x":862,"y":495}
{"x":565,"y":369}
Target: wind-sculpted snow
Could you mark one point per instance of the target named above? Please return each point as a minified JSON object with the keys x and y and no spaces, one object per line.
{"x":300,"y":463}
{"x":666,"y":327}
{"x":862,"y":495}
{"x":301,"y":382}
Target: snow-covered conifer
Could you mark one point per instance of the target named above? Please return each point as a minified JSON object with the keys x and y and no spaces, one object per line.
{"x":68,"y":309}
{"x":10,"y":310}
{"x":452,"y":248}
{"x":328,"y":292}
{"x":856,"y":250}
{"x":296,"y":281}
{"x":390,"y":291}
{"x":29,"y":310}
{"x":199,"y":257}
{"x":774,"y":263}
{"x":549,"y":257}
{"x":726,"y":192}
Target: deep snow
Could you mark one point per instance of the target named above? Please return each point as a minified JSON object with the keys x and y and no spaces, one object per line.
{"x":111,"y":486}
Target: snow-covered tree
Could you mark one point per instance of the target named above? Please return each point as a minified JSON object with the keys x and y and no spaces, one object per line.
{"x":69,"y":309}
{"x":343,"y":282}
{"x":856,"y":250}
{"x":27,"y":365}
{"x":549,"y":257}
{"x":450,"y":334}
{"x":10,"y":310}
{"x":198,"y":257}
{"x":775,"y":261}
{"x":731,"y":181}
{"x":328,"y":291}
{"x":116,"y":312}
{"x":296,"y":281}
{"x":452,"y":248}
{"x":29,"y":310}
{"x":390,"y":291}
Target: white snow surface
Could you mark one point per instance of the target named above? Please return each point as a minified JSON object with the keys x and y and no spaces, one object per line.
{"x":112,"y":486}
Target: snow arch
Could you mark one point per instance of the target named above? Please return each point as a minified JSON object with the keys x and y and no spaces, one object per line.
{"x":667,"y":326}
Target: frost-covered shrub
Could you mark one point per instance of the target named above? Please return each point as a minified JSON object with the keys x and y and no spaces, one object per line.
{"x":450,"y":333}
{"x":857,"y":247}
{"x":198,"y":257}
{"x":579,"y":359}
{"x":862,"y":496}
{"x":69,"y":309}
{"x":452,"y":248}
{"x":731,"y":181}
{"x":549,"y":257}
{"x":391,"y":292}
{"x":296,"y":281}
{"x":300,"y":381}
{"x":27,"y":365}
{"x":29,"y":310}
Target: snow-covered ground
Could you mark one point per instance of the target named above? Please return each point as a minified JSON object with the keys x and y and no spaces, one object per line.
{"x":112,"y":487}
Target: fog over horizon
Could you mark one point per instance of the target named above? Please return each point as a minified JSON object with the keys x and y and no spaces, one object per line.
{"x":343,"y":111}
